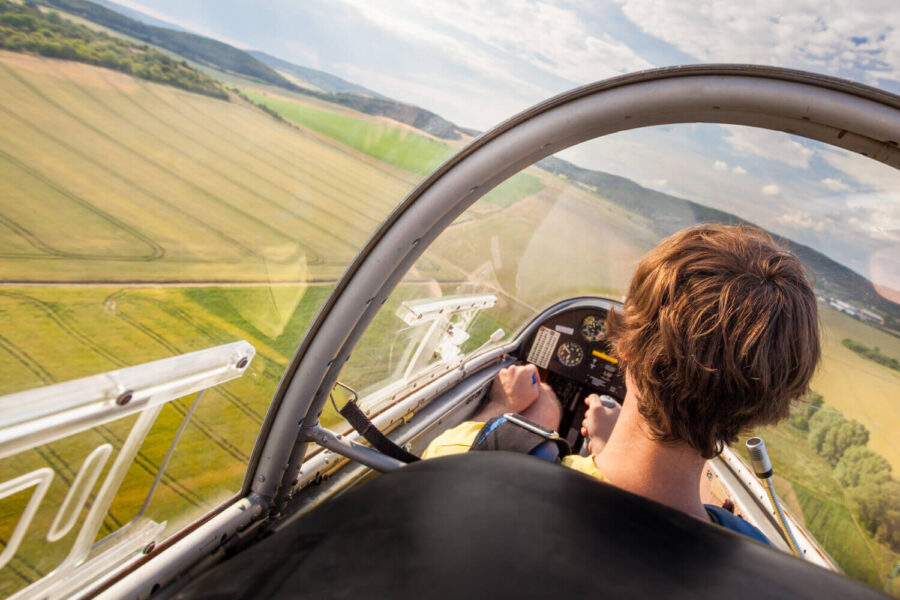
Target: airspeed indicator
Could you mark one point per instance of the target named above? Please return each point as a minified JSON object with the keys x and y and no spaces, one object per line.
{"x":570,"y":354}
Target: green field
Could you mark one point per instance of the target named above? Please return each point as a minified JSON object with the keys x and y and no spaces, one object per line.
{"x":860,"y":388}
{"x":404,"y":148}
{"x":806,"y":482}
{"x":394,"y":145}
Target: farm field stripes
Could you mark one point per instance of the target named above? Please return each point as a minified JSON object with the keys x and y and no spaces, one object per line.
{"x":74,"y":158}
{"x":254,"y":226}
{"x":257,"y":203}
{"x":372,"y":183}
{"x":20,"y":184}
{"x":280,"y":181}
{"x":177,"y":143}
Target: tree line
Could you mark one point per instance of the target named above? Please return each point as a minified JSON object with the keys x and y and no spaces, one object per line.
{"x":25,"y":28}
{"x":194,"y":47}
{"x":866,"y":475}
{"x":873,"y":354}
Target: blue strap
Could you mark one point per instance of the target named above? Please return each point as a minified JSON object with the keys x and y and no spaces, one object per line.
{"x":725,"y":519}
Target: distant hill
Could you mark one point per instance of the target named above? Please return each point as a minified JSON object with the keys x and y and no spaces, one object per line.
{"x":25,"y":28}
{"x":419,"y":118}
{"x":324,"y":81}
{"x":138,"y":15}
{"x":670,"y":214}
{"x":338,"y":91}
{"x":189,"y":45}
{"x":227,"y":58}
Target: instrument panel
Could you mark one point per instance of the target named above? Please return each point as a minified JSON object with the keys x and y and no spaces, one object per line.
{"x":573,"y":345}
{"x":570,"y":348}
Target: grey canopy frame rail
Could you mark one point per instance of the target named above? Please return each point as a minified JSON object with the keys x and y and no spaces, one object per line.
{"x":841,"y":113}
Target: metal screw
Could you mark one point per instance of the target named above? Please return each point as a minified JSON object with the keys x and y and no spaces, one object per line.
{"x":125,"y":397}
{"x":261,"y":478}
{"x":149,"y":547}
{"x":243,"y":362}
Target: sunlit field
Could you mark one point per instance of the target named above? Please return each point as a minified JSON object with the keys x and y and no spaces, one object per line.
{"x":859,"y":388}
{"x":140,"y":181}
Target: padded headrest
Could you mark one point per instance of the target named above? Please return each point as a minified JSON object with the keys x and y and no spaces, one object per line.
{"x":503,"y":525}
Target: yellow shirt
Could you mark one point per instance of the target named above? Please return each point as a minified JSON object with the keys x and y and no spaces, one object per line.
{"x":459,"y":439}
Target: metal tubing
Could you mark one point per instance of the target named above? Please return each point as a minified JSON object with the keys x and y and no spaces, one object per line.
{"x":165,"y":463}
{"x":782,"y":521}
{"x":108,"y":490}
{"x":350,"y":449}
{"x":176,"y":560}
{"x":759,"y":457}
{"x":40,"y":416}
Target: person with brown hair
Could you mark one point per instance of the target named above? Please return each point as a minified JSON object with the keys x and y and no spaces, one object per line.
{"x":719,"y":333}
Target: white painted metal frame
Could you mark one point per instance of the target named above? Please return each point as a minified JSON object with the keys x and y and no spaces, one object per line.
{"x":37,"y":417}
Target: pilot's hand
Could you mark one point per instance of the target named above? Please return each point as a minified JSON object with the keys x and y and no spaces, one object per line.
{"x":546,"y":410}
{"x":515,"y":388}
{"x":598,"y":422}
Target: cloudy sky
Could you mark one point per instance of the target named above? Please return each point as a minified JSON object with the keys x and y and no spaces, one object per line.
{"x":478,"y":62}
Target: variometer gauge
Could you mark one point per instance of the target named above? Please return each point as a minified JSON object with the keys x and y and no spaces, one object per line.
{"x":593,"y":329}
{"x":570,"y":354}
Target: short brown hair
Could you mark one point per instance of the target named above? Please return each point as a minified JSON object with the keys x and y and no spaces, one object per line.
{"x":719,"y":333}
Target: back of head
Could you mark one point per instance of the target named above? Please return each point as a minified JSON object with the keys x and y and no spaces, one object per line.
{"x":719,"y":333}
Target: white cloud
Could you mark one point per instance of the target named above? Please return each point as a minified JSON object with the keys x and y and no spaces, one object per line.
{"x":768,"y":144}
{"x":804,"y":220}
{"x":191,"y":25}
{"x":550,"y":37}
{"x":835,"y":185}
{"x":871,"y":226}
{"x":771,"y":190}
{"x":867,"y":172}
{"x":832,"y":36}
{"x":408,"y":21}
{"x":739,"y":170}
{"x":720,"y":165}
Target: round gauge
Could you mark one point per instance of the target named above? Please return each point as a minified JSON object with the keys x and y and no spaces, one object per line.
{"x":593,"y":328}
{"x":570,"y":354}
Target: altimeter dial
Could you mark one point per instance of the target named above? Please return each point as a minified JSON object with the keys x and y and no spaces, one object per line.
{"x":593,"y":329}
{"x":570,"y":354}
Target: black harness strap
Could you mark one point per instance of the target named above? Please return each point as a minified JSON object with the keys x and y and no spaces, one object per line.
{"x":361,"y":423}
